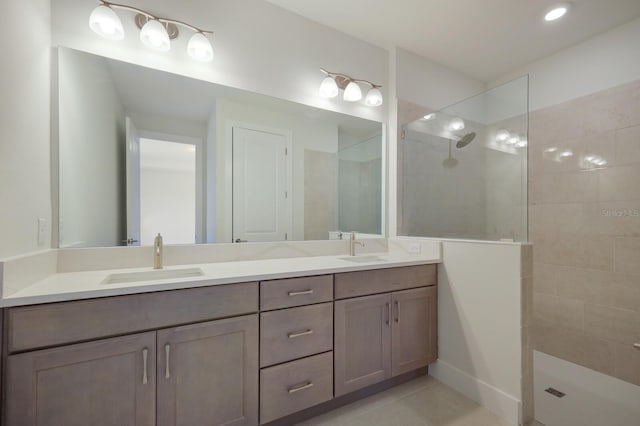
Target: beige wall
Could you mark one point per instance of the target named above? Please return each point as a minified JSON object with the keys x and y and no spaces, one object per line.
{"x":25,"y":187}
{"x":585,"y":227}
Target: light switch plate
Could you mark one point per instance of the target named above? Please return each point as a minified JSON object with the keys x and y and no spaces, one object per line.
{"x":414,"y":248}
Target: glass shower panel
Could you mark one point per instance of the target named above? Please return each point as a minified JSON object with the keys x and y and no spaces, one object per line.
{"x":464,"y":168}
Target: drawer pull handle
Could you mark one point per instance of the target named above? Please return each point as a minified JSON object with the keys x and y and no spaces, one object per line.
{"x":636,"y":345}
{"x":167,"y":351}
{"x":397,"y":311}
{"x":300,"y":387}
{"x":295,"y":334}
{"x":145,"y":353}
{"x":300,"y":293}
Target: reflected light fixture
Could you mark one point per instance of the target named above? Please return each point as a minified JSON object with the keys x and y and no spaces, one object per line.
{"x":430,"y":116}
{"x":333,"y":82}
{"x":557,"y":11}
{"x":456,"y":124}
{"x":155,"y":32}
{"x":513,"y":140}
{"x":502,"y":135}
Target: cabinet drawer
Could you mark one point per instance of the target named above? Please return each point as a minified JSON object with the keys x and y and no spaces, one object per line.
{"x":296,"y":332}
{"x":54,"y":324}
{"x":291,"y":292}
{"x":294,"y":386}
{"x":362,"y":283}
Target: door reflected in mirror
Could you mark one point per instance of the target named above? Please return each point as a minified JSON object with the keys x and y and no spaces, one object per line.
{"x":143,"y":151}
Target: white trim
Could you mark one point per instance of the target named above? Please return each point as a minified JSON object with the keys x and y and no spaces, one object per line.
{"x":490,"y":397}
{"x":228,"y":172}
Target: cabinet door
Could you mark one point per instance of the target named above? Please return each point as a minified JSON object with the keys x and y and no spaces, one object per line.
{"x":414,"y":330}
{"x":107,"y":382}
{"x":362,"y":342}
{"x":208,"y":373}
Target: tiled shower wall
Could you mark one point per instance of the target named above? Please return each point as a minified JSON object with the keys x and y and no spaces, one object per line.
{"x":585,"y":227}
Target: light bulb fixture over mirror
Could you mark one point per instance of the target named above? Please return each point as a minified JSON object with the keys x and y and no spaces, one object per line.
{"x":155,"y":32}
{"x":334,"y":82}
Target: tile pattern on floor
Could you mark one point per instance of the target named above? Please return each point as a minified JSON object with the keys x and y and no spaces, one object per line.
{"x":420,"y":402}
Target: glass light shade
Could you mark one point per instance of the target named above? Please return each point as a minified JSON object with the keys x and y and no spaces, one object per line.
{"x":154,"y":35}
{"x":328,"y":88}
{"x":104,"y":21}
{"x":374,"y":97}
{"x":199,"y":48}
{"x":502,"y":135}
{"x":352,"y":93}
{"x":456,"y":124}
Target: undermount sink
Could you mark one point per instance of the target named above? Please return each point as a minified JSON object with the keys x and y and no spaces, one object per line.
{"x":363,"y":259}
{"x":156,"y":274}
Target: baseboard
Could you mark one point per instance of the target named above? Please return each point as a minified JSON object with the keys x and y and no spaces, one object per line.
{"x":490,"y":397}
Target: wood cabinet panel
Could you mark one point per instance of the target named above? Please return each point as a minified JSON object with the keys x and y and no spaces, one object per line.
{"x":296,"y":332}
{"x":414,"y":329}
{"x":102,"y":383}
{"x":362,"y":342}
{"x":294,"y":386}
{"x":360,"y":283}
{"x":289,"y":292}
{"x":208,"y":373}
{"x":38,"y":326}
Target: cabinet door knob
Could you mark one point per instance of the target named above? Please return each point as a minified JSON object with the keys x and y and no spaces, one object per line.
{"x":167,"y":352}
{"x":145,"y":353}
{"x":297,"y":388}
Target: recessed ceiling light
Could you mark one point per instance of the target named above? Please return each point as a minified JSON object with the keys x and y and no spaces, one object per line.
{"x":557,"y":11}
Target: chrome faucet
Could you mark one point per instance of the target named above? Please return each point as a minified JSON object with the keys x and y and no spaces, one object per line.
{"x":352,"y":244}
{"x":157,"y":252}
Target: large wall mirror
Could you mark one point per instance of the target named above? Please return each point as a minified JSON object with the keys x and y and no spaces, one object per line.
{"x":143,"y":151}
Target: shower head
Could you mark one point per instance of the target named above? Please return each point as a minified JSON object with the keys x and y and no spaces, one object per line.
{"x":466,"y":140}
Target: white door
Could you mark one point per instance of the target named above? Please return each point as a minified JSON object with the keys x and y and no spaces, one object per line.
{"x":261,"y":208}
{"x":133,"y":183}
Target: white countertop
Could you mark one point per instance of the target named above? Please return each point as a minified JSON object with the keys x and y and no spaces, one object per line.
{"x":89,"y":284}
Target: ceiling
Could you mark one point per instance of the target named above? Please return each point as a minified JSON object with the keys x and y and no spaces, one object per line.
{"x":483,"y":39}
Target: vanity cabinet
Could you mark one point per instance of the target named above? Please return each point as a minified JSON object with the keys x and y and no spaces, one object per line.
{"x":202,"y":372}
{"x":296,"y":345}
{"x":362,"y":342}
{"x":383,"y":335}
{"x":106,"y":382}
{"x":208,"y":373}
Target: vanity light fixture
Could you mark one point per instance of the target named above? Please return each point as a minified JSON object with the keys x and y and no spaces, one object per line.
{"x":333,"y":82}
{"x":557,"y":11}
{"x":155,"y":32}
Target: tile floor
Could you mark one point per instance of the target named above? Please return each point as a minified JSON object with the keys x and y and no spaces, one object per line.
{"x":420,"y":402}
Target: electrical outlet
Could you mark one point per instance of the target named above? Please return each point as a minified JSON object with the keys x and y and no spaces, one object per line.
{"x":42,"y":230}
{"x":414,"y":248}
